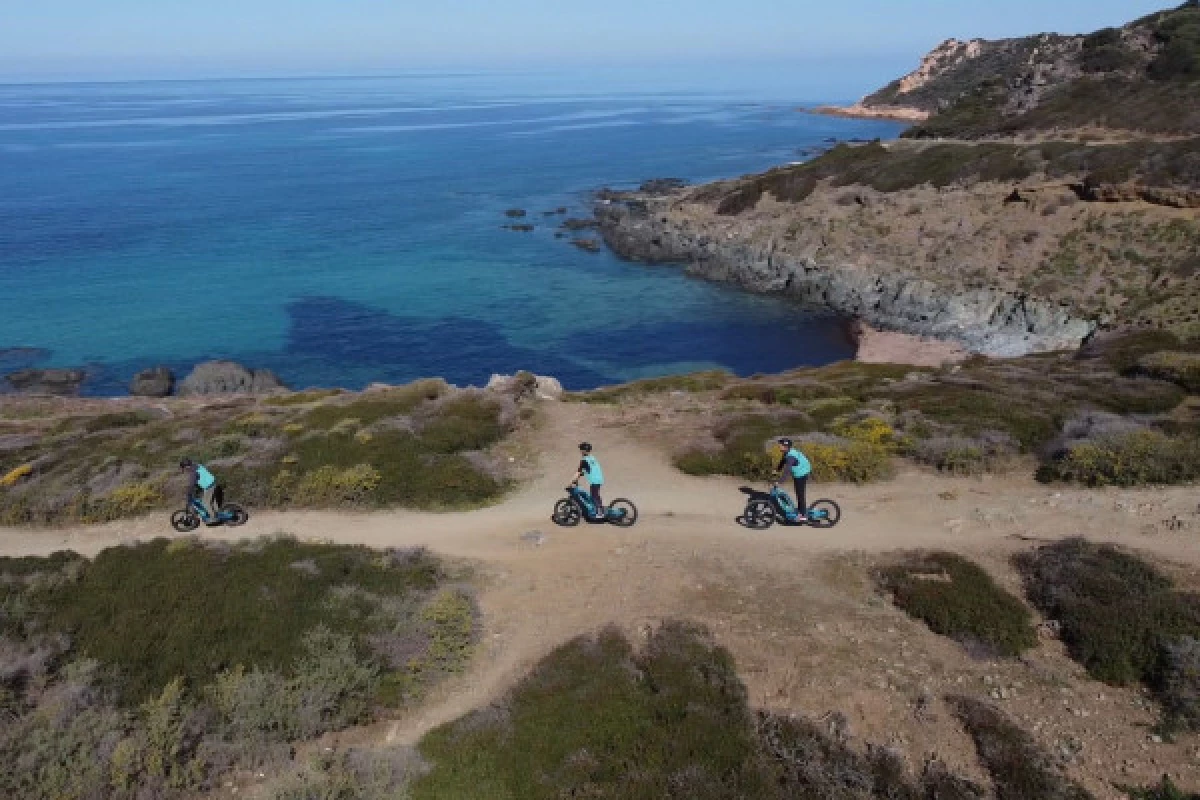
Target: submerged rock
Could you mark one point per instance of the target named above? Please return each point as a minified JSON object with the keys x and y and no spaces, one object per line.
{"x":59,"y":382}
{"x":515,"y":213}
{"x":228,"y":377}
{"x":154,"y":382}
{"x":590,"y":245}
{"x":576,"y":224}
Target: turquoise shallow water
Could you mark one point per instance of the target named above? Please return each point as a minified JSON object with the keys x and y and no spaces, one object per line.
{"x":344,"y":231}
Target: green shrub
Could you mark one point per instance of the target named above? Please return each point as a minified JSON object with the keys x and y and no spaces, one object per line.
{"x":1134,"y":458}
{"x":1020,"y":769}
{"x":130,"y":500}
{"x":371,"y":407}
{"x":1118,"y":614}
{"x":957,"y":598}
{"x":670,"y":722}
{"x":328,"y":486}
{"x":469,"y":422}
{"x":989,"y":452}
{"x":193,"y":611}
{"x":121,"y":419}
{"x":838,"y":460}
{"x":743,"y":451}
{"x":353,"y":775}
{"x":1179,"y":368}
{"x":1164,"y":791}
{"x":691,"y":383}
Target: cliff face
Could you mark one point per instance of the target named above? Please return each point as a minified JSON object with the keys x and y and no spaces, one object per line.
{"x":986,"y":320}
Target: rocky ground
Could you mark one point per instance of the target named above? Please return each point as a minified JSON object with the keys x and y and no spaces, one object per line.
{"x":998,"y":268}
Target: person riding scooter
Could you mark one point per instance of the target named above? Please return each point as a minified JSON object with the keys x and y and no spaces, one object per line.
{"x":589,"y":468}
{"x":200,"y":478}
{"x":795,"y":462}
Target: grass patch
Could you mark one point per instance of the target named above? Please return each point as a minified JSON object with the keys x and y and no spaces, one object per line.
{"x":957,"y":598}
{"x":1121,"y":619}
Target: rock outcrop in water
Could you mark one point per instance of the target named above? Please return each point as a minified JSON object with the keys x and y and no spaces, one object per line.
{"x":59,"y":382}
{"x":992,"y":321}
{"x":154,"y":382}
{"x":228,"y":377}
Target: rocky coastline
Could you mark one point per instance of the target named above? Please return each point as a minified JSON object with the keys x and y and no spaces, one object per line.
{"x":990,"y":321}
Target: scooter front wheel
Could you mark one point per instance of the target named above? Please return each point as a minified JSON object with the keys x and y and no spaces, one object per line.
{"x":622,"y":513}
{"x":566,"y":513}
{"x":236,"y":515}
{"x":185,"y":521}
{"x":759,"y":515}
{"x":824,"y":514}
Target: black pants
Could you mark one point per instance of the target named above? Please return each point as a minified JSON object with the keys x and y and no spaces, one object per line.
{"x":595,"y":489}
{"x":801,"y":498}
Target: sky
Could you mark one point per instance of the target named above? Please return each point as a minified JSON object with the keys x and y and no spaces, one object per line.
{"x":864,"y":41}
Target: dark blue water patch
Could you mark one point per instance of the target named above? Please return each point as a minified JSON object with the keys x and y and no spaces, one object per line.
{"x":744,"y":347}
{"x":341,"y":334}
{"x":16,"y":358}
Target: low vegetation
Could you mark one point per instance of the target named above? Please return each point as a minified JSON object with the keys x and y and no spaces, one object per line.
{"x":1096,"y":419}
{"x":420,"y":446}
{"x":1144,"y":77}
{"x":154,"y":669}
{"x":957,"y":598}
{"x":894,"y":168}
{"x":1019,"y":768}
{"x":671,"y":721}
{"x":1122,"y":619}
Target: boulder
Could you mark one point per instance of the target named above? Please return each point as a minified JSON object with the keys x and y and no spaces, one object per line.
{"x":228,"y":377}
{"x":61,"y":382}
{"x":515,"y":213}
{"x":525,"y":385}
{"x":577,"y":224}
{"x":155,"y":382}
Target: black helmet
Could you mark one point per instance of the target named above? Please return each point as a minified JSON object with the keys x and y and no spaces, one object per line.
{"x":184,"y":463}
{"x":785,"y":442}
{"x":585,"y":447}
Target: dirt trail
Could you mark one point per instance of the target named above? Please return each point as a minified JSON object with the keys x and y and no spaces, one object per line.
{"x":793,"y":604}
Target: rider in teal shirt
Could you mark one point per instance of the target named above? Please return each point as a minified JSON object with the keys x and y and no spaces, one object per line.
{"x":795,"y":463}
{"x":589,"y":468}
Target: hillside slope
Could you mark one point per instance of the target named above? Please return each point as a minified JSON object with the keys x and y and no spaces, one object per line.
{"x":1144,"y":76}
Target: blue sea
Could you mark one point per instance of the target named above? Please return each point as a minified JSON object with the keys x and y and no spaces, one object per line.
{"x":343,"y":231}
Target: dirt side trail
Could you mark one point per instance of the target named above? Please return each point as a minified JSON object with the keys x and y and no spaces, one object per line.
{"x":794,"y":605}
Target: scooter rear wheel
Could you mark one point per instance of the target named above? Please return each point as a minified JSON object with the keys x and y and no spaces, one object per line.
{"x":185,"y":521}
{"x":566,"y":513}
{"x":628,"y":513}
{"x":759,"y":515}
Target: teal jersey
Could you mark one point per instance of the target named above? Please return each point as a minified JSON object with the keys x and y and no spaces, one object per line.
{"x":800,"y":466}
{"x":591,"y":468}
{"x":204,"y":478}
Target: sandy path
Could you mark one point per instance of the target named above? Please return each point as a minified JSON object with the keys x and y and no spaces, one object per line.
{"x":791,"y":603}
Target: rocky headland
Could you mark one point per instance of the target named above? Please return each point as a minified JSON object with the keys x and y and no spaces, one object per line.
{"x":1018,"y":215}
